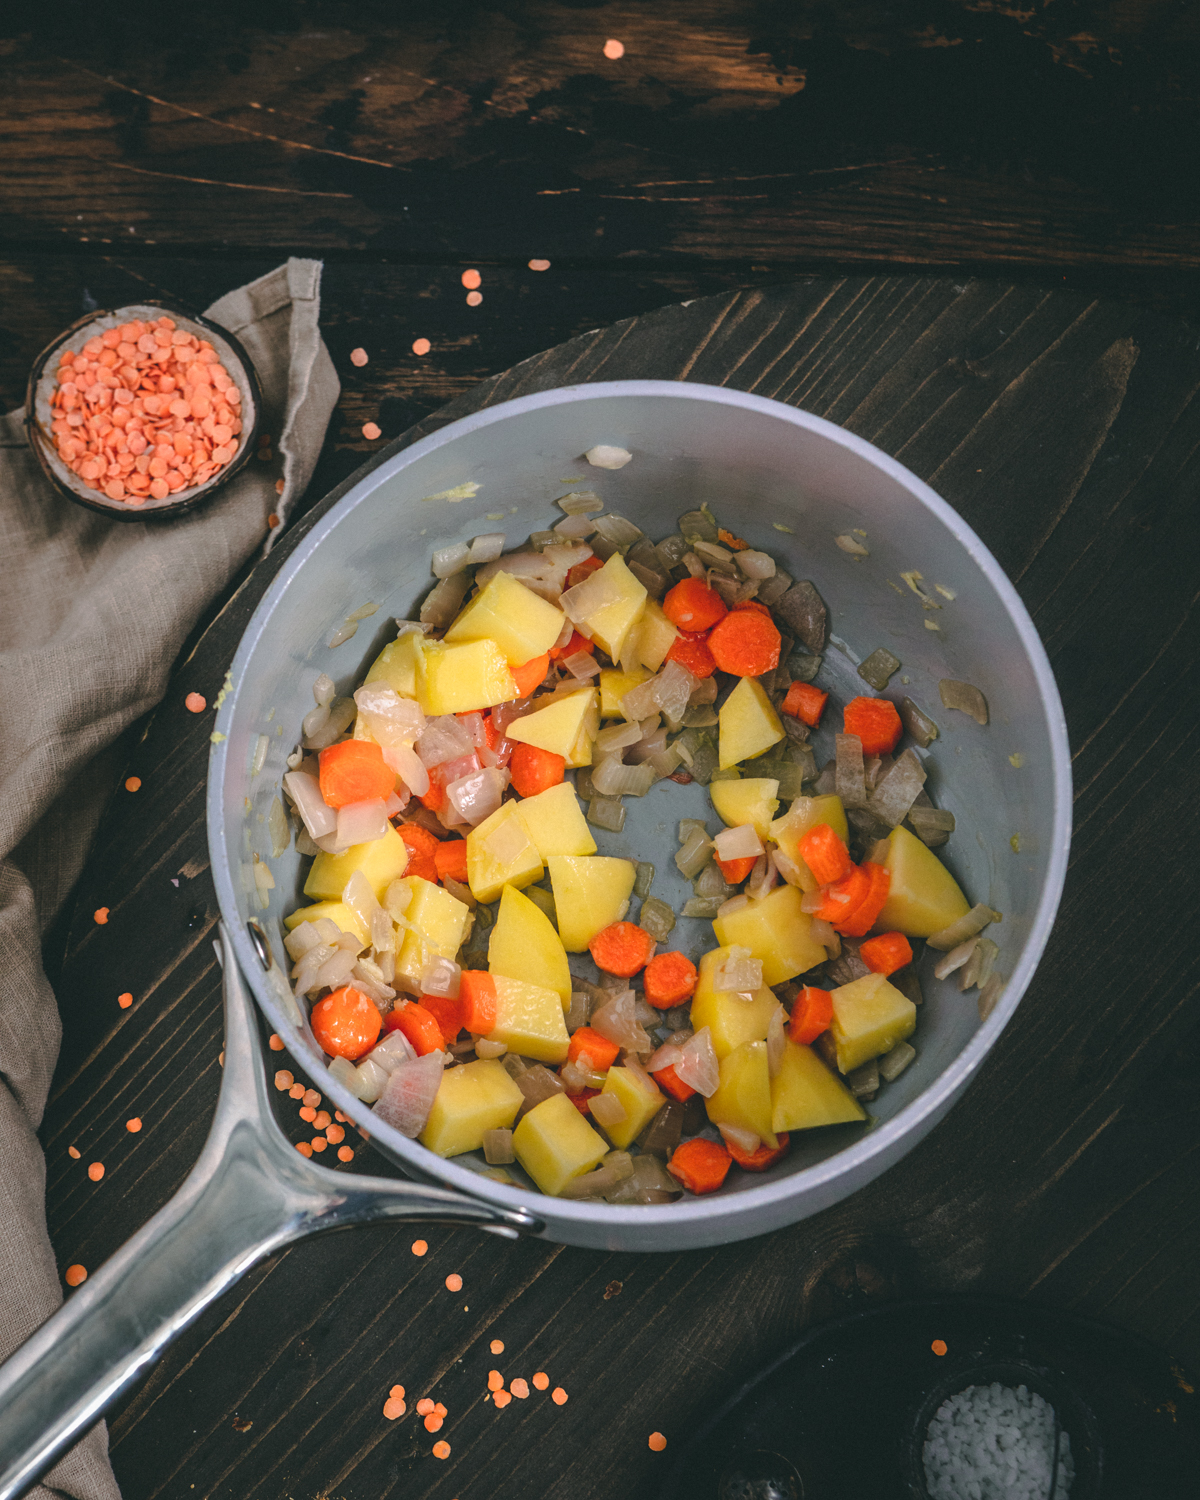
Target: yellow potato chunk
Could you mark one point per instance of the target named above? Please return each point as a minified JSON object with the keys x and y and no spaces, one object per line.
{"x":505,"y":611}
{"x":640,"y":1103}
{"x":524,"y":945}
{"x":656,"y":636}
{"x":743,"y":1096}
{"x":477,"y":1097}
{"x":610,"y":625}
{"x":499,"y":853}
{"x":554,"y":1143}
{"x":870,"y":1017}
{"x":805,"y":1094}
{"x":731,"y":1020}
{"x":923,"y":897}
{"x":776,"y":930}
{"x":590,"y":893}
{"x":460,"y":679}
{"x":337,"y":912}
{"x":442,"y":919}
{"x":396,"y":664}
{"x":381,"y":861}
{"x":554,"y":821}
{"x":751,"y":800}
{"x":746,"y":724}
{"x":529,"y":1019}
{"x":806,"y":813}
{"x":614,"y":684}
{"x":560,"y":725}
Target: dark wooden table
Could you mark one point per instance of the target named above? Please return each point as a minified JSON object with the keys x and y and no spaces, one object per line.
{"x":985,"y":220}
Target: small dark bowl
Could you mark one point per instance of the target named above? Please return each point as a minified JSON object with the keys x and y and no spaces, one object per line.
{"x":43,"y":380}
{"x":1055,"y":1387}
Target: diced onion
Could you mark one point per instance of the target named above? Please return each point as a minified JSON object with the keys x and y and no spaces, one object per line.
{"x":409,"y":1095}
{"x":582,"y":665}
{"x":877,"y":668}
{"x":407,"y":764}
{"x":580,"y":502}
{"x":755,"y":564}
{"x":988,"y":996}
{"x":744,"y":1140}
{"x":606,"y":456}
{"x":323,"y":690}
{"x":615,"y":1021}
{"x":976,"y":920}
{"x":741,"y":842}
{"x":763,"y":877}
{"x":848,"y":544}
{"x":612,"y":778}
{"x":447,"y":561}
{"x":576,"y":527}
{"x":955,"y":959}
{"x":738,"y":972}
{"x":392,"y":720}
{"x":486,"y":548}
{"x":441,"y":976}
{"x":608,"y":1109}
{"x":734,"y":904}
{"x":477,"y":796}
{"x":695,"y":853}
{"x":897,"y":790}
{"x":965,"y":697}
{"x":776,"y":1039}
{"x":617,"y":737}
{"x":850,"y":773}
{"x":595,"y":593}
{"x":277,"y":827}
{"x":445,"y":600}
{"x":361,"y":822}
{"x":305,"y":792}
{"x":893,"y":1063}
{"x":918,"y":723}
{"x":698,"y":1066}
{"x":444,"y":739}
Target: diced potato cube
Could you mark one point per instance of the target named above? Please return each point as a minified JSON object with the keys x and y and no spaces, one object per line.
{"x":476,"y":1097}
{"x":505,"y":611}
{"x":805,"y":1094}
{"x":529,"y":1020}
{"x":524,"y":945}
{"x":776,"y":930}
{"x":751,"y":800}
{"x":614,"y":684}
{"x":337,"y":912}
{"x":396,"y":664}
{"x":730,"y":1019}
{"x":555,"y":822}
{"x":460,"y":679}
{"x":870,"y":1017}
{"x":923,"y":897}
{"x":806,"y":813}
{"x":554,"y":1143}
{"x":499,"y":853}
{"x":746,"y":724}
{"x":656,"y":636}
{"x":558,"y":726}
{"x":640,"y":1103}
{"x":442,"y":919}
{"x":591,"y":892}
{"x":743,"y":1096}
{"x":381,"y":861}
{"x":610,"y":625}
{"x":581,"y":751}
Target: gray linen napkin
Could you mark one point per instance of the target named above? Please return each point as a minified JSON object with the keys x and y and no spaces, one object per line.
{"x":94,"y":612}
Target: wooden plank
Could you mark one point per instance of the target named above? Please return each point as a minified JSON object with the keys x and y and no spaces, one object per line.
{"x":1067,"y":432}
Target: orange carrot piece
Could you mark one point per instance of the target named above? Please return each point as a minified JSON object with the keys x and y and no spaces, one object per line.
{"x":574,"y":646}
{"x":422,"y":850}
{"x":581,"y":570}
{"x":754,"y":604}
{"x":435,"y":798}
{"x":346,"y":1023}
{"x":859,"y":922}
{"x":670,"y":1082}
{"x":692,"y":605}
{"x":447,"y":1013}
{"x":354,"y":771}
{"x":746,"y":643}
{"x":700,"y":1165}
{"x":843,"y":896}
{"x":804,"y":702}
{"x":477,"y":997}
{"x":727,"y":539}
{"x":602,"y":1052}
{"x":886,"y":953}
{"x":528,"y":676}
{"x":690,"y":650}
{"x":580,"y":1101}
{"x":534,"y":770}
{"x":762,"y":1157}
{"x":450,"y":860}
{"x":812,"y":1012}
{"x":876,"y":722}
{"x":825,"y":855}
{"x":622,"y":949}
{"x":669,"y":980}
{"x":735,"y":870}
{"x":420,"y":1026}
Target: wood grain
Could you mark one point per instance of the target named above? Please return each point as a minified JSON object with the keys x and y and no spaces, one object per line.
{"x":1066,"y":431}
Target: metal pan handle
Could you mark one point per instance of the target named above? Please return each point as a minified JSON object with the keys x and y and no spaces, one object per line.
{"x":249,"y":1193}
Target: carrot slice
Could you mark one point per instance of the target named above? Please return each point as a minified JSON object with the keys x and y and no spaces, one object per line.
{"x":346,"y":1023}
{"x":859,"y":922}
{"x":690,"y":650}
{"x":450,"y":860}
{"x":669,"y":980}
{"x":886,"y":953}
{"x":746,"y":643}
{"x":447,"y":1013}
{"x":419,"y":1025}
{"x":825,"y":855}
{"x":804,"y":702}
{"x":700,"y":1165}
{"x":528,"y":676}
{"x":736,"y":870}
{"x":535,"y":770}
{"x":354,"y":771}
{"x":692,"y":605}
{"x":812,"y":1012}
{"x":622,"y":949}
{"x":477,"y":997}
{"x":422,"y":851}
{"x":670,"y":1082}
{"x":876,"y":722}
{"x":762,"y":1157}
{"x":843,"y":896}
{"x":576,"y":644}
{"x":602,"y":1052}
{"x":581,"y":570}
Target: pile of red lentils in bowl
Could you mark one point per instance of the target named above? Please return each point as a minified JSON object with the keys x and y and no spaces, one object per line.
{"x":145,"y":411}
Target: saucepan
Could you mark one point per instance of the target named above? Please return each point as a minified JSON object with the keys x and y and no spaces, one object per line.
{"x":792,"y":484}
